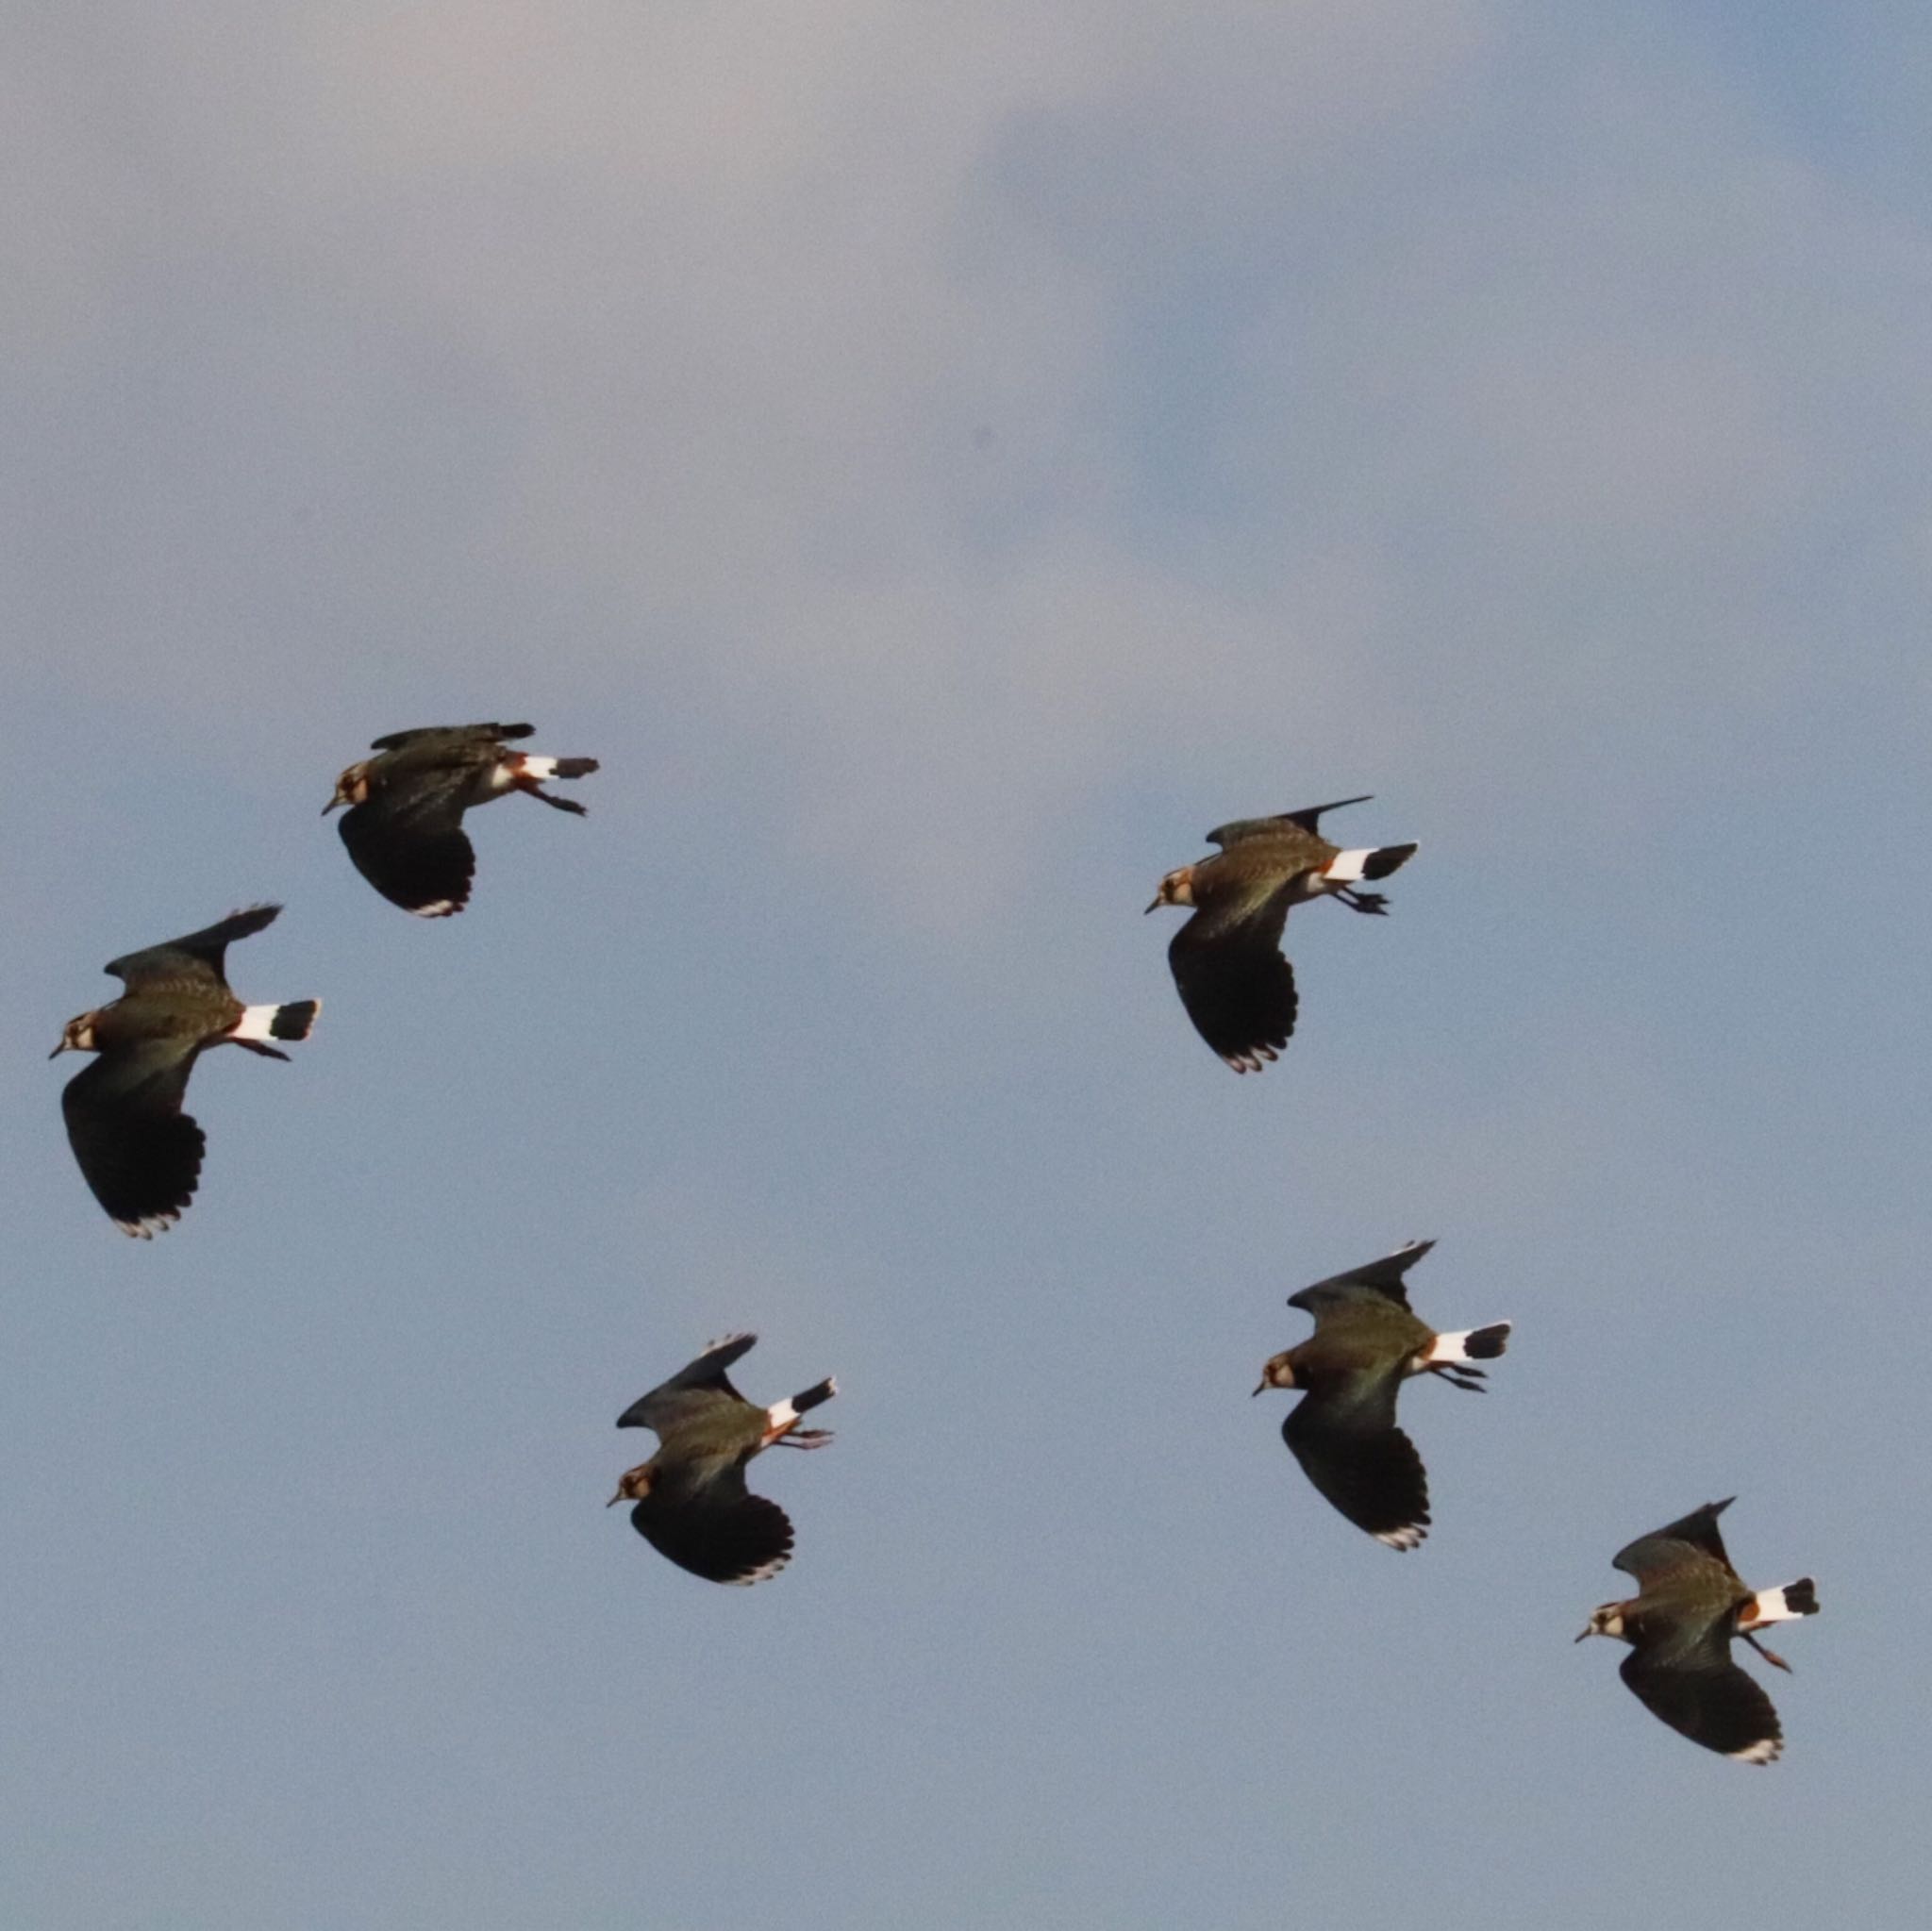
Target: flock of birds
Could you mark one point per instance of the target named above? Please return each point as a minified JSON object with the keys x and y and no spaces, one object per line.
{"x":142,"y":1154}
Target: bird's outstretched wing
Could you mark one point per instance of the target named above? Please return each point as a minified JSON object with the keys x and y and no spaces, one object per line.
{"x":408,"y":841}
{"x":199,"y":956}
{"x":1236,"y":987}
{"x":717,"y":1528}
{"x":1704,"y":1695}
{"x":1689,"y":1540}
{"x":1378,"y":1279}
{"x":456,"y":734}
{"x":137,"y":1149}
{"x":697,"y":1390}
{"x":1308,"y":819}
{"x":1343,"y":1434}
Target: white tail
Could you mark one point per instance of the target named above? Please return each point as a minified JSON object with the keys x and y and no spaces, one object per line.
{"x":264,"y":1022}
{"x":1346,"y":867}
{"x":1781,"y":1605}
{"x":1377,"y":861}
{"x":530,"y":767}
{"x":1471,"y":1344}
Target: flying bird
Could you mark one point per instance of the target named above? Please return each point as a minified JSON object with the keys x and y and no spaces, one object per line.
{"x":1343,"y":1431}
{"x":1680,"y":1623}
{"x":1227,"y":962}
{"x":137,"y":1149}
{"x":404,"y":827}
{"x":692,"y":1501}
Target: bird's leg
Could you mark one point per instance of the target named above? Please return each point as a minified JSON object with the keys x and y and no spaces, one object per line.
{"x":805,"y":1437}
{"x":1770,"y":1655}
{"x":1460,"y":1374}
{"x":534,"y":790}
{"x":255,"y":1046}
{"x":1362,"y":901}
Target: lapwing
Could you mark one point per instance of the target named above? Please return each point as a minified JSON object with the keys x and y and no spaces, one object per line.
{"x":1690,"y":1605}
{"x":1343,"y":1431}
{"x":1227,"y":962}
{"x":404,"y":825}
{"x":692,"y":1501}
{"x":137,"y":1149}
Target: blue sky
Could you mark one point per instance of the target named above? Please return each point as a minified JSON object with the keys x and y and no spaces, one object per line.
{"x":941,"y":461}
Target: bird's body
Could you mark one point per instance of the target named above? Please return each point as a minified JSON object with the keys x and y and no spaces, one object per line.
{"x":692,"y":1504}
{"x":404,"y":825}
{"x":1237,"y":988}
{"x":1680,"y":1624}
{"x":1367,"y":1342}
{"x":138,"y":1151}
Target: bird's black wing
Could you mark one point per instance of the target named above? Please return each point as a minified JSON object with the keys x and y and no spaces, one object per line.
{"x":199,"y":956}
{"x":1343,"y":1434}
{"x":1381,"y":1278}
{"x":1704,"y":1695}
{"x":1682,"y":1542}
{"x":474,"y":734}
{"x":137,"y":1149}
{"x":1235,"y":985}
{"x":717,"y":1528}
{"x":1308,"y":819}
{"x":408,"y":841}
{"x":694,"y":1390}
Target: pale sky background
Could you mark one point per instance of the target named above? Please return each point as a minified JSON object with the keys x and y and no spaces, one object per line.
{"x":942,"y":459}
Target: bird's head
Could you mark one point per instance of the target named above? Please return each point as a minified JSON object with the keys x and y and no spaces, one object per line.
{"x":77,"y":1036}
{"x":1277,"y":1372}
{"x":1608,"y":1621}
{"x":352,"y":788}
{"x":635,"y":1485}
{"x":1176,"y":889}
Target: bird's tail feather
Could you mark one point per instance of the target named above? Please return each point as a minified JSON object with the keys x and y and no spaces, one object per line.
{"x":1784,"y":1605}
{"x":295,"y":1021}
{"x":1378,"y":861}
{"x":1471,"y":1344}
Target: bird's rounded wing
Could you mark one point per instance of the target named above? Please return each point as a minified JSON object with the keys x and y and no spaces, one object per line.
{"x":199,"y":956}
{"x":455,"y":734}
{"x":408,"y":841}
{"x":1308,"y":819}
{"x":1343,"y":1434}
{"x":1686,"y":1543}
{"x":137,"y":1149}
{"x":717,"y":1528}
{"x":699,"y":1389}
{"x":1378,"y":1279}
{"x":1235,"y":985}
{"x":1706,"y":1696}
